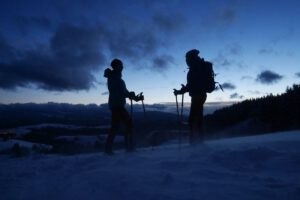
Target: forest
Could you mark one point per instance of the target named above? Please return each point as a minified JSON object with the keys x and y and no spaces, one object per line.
{"x":275,"y":112}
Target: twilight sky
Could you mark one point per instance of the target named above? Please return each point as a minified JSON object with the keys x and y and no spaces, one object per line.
{"x":57,"y":50}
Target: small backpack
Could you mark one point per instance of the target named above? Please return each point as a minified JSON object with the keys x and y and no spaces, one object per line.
{"x":107,"y":72}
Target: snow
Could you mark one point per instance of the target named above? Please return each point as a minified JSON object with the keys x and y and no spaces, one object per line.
{"x":89,"y":140}
{"x":258,"y":167}
{"x":22,"y":130}
{"x":7,"y":145}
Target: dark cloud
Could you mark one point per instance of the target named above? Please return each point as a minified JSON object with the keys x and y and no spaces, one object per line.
{"x":228,"y":86}
{"x":222,"y":16}
{"x":162,"y":62}
{"x":132,"y":45}
{"x":134,"y":39}
{"x":72,"y":55}
{"x":297,"y":74}
{"x":268,"y":77}
{"x":225,"y":62}
{"x":27,"y":22}
{"x":235,"y":49}
{"x":236,"y":96}
{"x":283,"y":36}
{"x":228,"y":56}
{"x":227,"y":15}
{"x":267,"y":51}
{"x":64,"y":49}
{"x":67,"y":63}
{"x":105,"y":93}
{"x":6,"y":50}
{"x":222,"y":60}
{"x":168,"y":22}
{"x":246,"y":77}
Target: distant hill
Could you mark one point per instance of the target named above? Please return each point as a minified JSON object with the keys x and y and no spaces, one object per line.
{"x":23,"y":114}
{"x":14,"y":115}
{"x":253,"y":116}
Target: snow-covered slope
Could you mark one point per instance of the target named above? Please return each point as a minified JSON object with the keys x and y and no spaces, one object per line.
{"x":260,"y":167}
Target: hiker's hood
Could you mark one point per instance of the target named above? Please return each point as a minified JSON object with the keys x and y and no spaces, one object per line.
{"x":108,"y":73}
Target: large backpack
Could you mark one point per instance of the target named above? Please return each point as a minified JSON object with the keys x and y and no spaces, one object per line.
{"x":210,"y":83}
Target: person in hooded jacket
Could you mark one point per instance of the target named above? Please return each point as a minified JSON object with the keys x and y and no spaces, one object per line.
{"x":196,"y":87}
{"x":116,"y":101}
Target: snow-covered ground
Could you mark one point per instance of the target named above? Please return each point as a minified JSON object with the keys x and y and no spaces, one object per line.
{"x":260,"y":167}
{"x":8,"y":145}
{"x":22,"y":130}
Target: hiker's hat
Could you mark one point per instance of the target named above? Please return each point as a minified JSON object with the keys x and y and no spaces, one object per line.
{"x":192,"y":53}
{"x":115,"y":63}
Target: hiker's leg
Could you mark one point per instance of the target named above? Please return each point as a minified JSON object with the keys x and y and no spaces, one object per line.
{"x":201,"y":100}
{"x":193,"y":118}
{"x":115,"y":124}
{"x":196,"y":117}
{"x":127,"y":120}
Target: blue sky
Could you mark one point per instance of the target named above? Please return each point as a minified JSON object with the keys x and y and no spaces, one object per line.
{"x":57,"y":50}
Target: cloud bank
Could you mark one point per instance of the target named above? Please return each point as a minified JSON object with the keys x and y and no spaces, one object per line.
{"x":66,"y":63}
{"x":73,"y":53}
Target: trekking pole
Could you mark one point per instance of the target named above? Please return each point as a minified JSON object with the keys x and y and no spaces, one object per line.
{"x":181,"y":121}
{"x":141,"y":96}
{"x":145,"y":128}
{"x":131,"y":107}
{"x":178,"y":118}
{"x":177,"y":107}
{"x":182,"y":100}
{"x":144,"y":107}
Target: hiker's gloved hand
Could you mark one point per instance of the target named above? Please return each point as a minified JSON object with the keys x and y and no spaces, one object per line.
{"x":177,"y":92}
{"x":131,"y":95}
{"x":181,"y":91}
{"x":135,"y":98}
{"x":139,"y":97}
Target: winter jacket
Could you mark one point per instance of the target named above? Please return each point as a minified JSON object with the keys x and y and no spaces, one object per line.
{"x":196,"y":78}
{"x":117,"y":89}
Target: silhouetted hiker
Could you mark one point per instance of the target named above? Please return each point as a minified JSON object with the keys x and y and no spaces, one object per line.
{"x":197,"y":87}
{"x":116,"y":101}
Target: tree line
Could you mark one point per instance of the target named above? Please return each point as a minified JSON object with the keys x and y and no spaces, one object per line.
{"x":280,"y":112}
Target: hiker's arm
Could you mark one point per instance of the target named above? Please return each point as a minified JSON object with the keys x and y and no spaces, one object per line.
{"x":131,"y":95}
{"x":127,"y":94}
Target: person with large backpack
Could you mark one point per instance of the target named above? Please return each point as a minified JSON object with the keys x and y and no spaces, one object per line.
{"x":116,"y":101}
{"x":200,"y":80}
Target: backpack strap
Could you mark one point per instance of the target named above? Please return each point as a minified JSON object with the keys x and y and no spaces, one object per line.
{"x":219,"y":85}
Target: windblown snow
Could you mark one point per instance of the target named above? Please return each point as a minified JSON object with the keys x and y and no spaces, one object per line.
{"x":257,"y":167}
